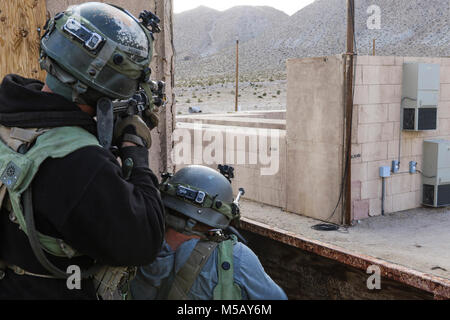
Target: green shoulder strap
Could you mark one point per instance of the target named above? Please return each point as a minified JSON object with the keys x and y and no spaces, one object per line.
{"x":226,"y":288}
{"x":18,"y":170}
{"x":186,"y":276}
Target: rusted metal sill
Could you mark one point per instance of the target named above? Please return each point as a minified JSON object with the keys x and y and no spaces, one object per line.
{"x":438,"y":286}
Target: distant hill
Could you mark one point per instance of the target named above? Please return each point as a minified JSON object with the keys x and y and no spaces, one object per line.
{"x":205,"y":38}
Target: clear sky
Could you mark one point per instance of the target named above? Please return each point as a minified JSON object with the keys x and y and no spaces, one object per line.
{"x":288,"y":6}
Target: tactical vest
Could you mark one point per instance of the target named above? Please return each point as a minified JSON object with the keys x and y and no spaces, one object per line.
{"x":18,"y":167}
{"x":226,"y":289}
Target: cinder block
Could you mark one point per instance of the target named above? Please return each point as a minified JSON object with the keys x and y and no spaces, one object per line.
{"x":384,"y":93}
{"x":417,"y":147}
{"x":370,"y":189}
{"x":393,"y":149}
{"x":370,"y":132}
{"x":398,"y":61}
{"x":356,"y":190}
{"x":374,"y":151}
{"x":444,"y":110}
{"x":373,"y":113}
{"x":404,"y":201}
{"x":359,"y":171}
{"x":359,"y":75}
{"x":400,"y":183}
{"x":361,"y":95}
{"x":394,"y":112}
{"x":382,"y":75}
{"x":445,"y":74}
{"x":361,"y":209}
{"x":375,"y":207}
{"x":445,"y":92}
{"x":356,"y":153}
{"x":387,"y":132}
{"x":381,"y":60}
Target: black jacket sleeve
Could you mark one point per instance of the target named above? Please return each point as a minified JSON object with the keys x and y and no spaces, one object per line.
{"x":117,"y":222}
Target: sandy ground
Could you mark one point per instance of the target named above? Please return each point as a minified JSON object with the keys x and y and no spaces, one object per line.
{"x":417,"y":239}
{"x":220,"y":98}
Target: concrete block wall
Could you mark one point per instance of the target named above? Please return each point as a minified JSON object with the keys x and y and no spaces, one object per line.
{"x":266,"y":189}
{"x":376,"y":135}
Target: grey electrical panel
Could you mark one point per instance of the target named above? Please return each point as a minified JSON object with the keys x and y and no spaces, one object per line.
{"x":420,"y":96}
{"x":436,"y":173}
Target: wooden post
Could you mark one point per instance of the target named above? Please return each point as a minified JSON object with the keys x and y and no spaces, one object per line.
{"x":349,"y":111}
{"x":373,"y":50}
{"x":237,"y":76}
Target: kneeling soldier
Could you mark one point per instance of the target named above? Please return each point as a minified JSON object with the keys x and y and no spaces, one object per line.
{"x":201,"y":258}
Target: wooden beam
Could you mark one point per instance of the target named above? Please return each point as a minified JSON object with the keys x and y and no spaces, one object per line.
{"x":19,"y":38}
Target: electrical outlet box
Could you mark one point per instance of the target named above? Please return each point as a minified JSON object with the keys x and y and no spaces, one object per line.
{"x":385,"y":172}
{"x":420,"y":96}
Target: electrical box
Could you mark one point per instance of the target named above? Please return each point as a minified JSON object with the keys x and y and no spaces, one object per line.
{"x":436,"y":173}
{"x":420,"y":96}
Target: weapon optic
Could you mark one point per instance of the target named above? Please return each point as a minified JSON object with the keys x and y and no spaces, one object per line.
{"x":139,"y":102}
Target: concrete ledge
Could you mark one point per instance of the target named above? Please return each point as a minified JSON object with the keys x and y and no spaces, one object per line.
{"x":439,"y":287}
{"x":237,"y":121}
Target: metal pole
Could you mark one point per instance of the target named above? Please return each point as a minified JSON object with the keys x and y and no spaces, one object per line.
{"x":349,"y":110}
{"x":237,"y":76}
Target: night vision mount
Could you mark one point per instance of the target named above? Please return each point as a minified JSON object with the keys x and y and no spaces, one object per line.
{"x":150,"y":21}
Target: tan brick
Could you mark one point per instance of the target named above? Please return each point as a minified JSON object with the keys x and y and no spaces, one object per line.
{"x":356,"y":190}
{"x":359,"y":75}
{"x":382,"y":75}
{"x":374,"y":151}
{"x":373,"y":113}
{"x":370,"y":132}
{"x":388,"y":204}
{"x":400,"y":183}
{"x":399,"y":61}
{"x":374,"y":207}
{"x":445,"y":62}
{"x":371,"y":189}
{"x":393,"y":149}
{"x":381,"y":60}
{"x":444,"y":110}
{"x":417,"y":147}
{"x":359,"y":171}
{"x":361,"y":95}
{"x":445,"y":92}
{"x":394,"y":112}
{"x":384,"y":94}
{"x":387,"y":132}
{"x":404,"y":201}
{"x":356,"y":153}
{"x":445,"y":74}
{"x":361,"y":209}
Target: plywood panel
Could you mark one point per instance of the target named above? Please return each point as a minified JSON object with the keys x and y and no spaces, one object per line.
{"x":19,"y":39}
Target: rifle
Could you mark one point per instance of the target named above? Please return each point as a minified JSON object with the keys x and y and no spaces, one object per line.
{"x":139,"y":102}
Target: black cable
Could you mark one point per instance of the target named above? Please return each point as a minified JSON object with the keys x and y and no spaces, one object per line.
{"x":334,"y":227}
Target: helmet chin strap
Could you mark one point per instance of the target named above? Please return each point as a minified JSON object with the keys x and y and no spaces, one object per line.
{"x":184,"y":226}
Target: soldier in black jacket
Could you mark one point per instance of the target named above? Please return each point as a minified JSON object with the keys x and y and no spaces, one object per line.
{"x":83,"y":198}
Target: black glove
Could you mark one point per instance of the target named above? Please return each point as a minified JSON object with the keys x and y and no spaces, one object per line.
{"x":132,"y":129}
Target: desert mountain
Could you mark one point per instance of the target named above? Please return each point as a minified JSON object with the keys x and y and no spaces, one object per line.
{"x":205,"y":38}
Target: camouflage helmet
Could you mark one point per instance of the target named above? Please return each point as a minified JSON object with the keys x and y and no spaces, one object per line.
{"x":202,"y":194}
{"x":96,"y":50}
